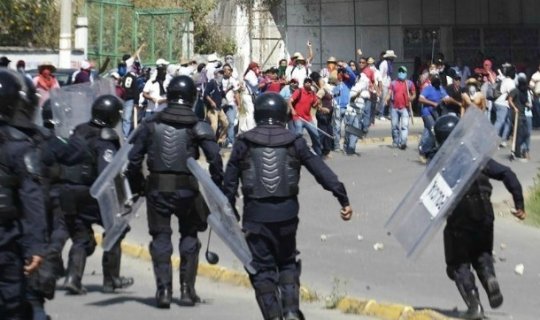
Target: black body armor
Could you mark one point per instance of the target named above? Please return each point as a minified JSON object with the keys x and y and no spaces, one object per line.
{"x":270,"y":172}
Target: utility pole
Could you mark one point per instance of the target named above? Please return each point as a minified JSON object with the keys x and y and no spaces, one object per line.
{"x":64,"y":56}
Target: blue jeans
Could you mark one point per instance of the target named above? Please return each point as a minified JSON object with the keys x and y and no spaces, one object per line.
{"x":127,"y":117}
{"x":313,"y":134}
{"x":339,"y":116}
{"x":231,"y":112}
{"x":526,"y":145}
{"x":351,"y":119}
{"x":501,"y":112}
{"x":400,"y":126}
{"x":427,"y":142}
{"x":366,"y":116}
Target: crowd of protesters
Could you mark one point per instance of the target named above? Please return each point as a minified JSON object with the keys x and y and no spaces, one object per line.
{"x":337,"y":104}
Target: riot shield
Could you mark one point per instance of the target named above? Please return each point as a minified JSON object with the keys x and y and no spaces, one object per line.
{"x":221,"y":218}
{"x":444,"y":182}
{"x":72,"y":105}
{"x":117,"y":204}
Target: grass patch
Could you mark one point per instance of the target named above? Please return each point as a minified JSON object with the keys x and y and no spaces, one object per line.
{"x":532,"y":204}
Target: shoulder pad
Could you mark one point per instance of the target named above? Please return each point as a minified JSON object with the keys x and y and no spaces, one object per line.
{"x":108,"y":134}
{"x":43,"y":132}
{"x":15,"y":134}
{"x":203,"y":130}
{"x":33,"y":163}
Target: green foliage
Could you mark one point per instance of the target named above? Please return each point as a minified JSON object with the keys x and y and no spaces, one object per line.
{"x":32,"y":23}
{"x":532,"y":205}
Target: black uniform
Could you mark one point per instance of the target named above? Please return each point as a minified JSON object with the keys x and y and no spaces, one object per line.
{"x":268,"y":159}
{"x":468,"y":235}
{"x":81,"y":210}
{"x":170,"y":138}
{"x":22,"y":215}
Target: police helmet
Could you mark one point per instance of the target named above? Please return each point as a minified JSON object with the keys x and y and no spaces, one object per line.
{"x":270,"y":108}
{"x":17,"y":93}
{"x":106,"y":110}
{"x":181,"y":88}
{"x":444,"y":126}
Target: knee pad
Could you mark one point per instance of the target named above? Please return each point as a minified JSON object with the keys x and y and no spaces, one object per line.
{"x":189,"y":245}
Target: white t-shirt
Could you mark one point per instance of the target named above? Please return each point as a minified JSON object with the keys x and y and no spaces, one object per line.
{"x":507,"y":85}
{"x":298,"y":73}
{"x":152,"y":89}
{"x":230,"y":86}
{"x":383,"y":69}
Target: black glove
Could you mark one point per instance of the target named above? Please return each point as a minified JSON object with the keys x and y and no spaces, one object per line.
{"x":137,"y":183}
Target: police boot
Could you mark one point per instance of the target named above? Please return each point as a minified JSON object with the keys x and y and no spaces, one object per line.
{"x":289,"y":287}
{"x":486,"y":274}
{"x":188,"y":274}
{"x":475,"y":310}
{"x":163,"y":275}
{"x":111,"y":271}
{"x":269,"y":302}
{"x":76,"y":264}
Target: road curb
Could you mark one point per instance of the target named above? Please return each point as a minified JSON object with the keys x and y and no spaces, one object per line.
{"x":348,"y":305}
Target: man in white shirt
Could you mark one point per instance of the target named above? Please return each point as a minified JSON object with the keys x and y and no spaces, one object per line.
{"x":503,"y":124}
{"x":300,"y":71}
{"x":231,"y":90}
{"x":155,"y":90}
{"x":385,"y":69}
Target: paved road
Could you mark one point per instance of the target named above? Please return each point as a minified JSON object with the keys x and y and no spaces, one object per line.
{"x":221,"y":301}
{"x":346,"y":263}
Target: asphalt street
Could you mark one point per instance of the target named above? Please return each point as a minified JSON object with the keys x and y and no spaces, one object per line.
{"x":339,"y":258}
{"x":220,"y":301}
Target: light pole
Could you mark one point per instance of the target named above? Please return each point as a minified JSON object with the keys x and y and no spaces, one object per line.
{"x":64,"y":55}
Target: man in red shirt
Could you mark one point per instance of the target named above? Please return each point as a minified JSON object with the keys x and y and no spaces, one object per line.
{"x":302,"y":102}
{"x":402,"y":93}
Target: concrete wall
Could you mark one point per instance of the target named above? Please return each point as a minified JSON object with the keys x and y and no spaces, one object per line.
{"x":338,"y":27}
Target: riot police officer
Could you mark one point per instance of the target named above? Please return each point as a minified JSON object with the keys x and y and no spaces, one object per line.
{"x":468,"y":235}
{"x":268,"y":159}
{"x":81,"y":210}
{"x":169,"y":138}
{"x":22,"y":202}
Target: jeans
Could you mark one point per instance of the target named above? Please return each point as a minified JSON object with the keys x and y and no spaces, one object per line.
{"x":127,"y":117}
{"x":526,"y":145}
{"x":400,"y":126}
{"x":339,"y":114}
{"x":313,"y":134}
{"x":231,"y":112}
{"x":351,"y":119}
{"x":427,"y":142}
{"x":508,"y":125}
{"x":366,"y":116}
{"x":536,"y":113}
{"x":523,"y":134}
{"x":382,"y":105}
{"x":501,"y":112}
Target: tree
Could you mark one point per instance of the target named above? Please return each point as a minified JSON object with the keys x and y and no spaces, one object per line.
{"x":29,"y":23}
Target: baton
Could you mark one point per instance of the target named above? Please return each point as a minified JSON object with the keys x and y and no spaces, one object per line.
{"x":314,"y":126}
{"x":135,"y":116}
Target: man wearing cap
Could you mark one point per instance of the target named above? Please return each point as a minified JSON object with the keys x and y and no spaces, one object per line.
{"x":386,"y":69}
{"x":401,"y":95}
{"x":154,"y":89}
{"x":212,"y":65}
{"x":213,"y":97}
{"x":84,"y":74}
{"x":131,"y":97}
{"x":4,"y":62}
{"x":454,"y":91}
{"x":330,"y":70}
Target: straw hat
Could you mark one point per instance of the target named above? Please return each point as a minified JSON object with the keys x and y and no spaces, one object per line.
{"x":46,"y":65}
{"x":331,"y":60}
{"x":300,"y":57}
{"x":389,"y":54}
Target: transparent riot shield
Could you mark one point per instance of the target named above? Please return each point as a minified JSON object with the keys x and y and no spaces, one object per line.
{"x":117,"y":204}
{"x":222,"y":218}
{"x":72,"y":105}
{"x":444,"y":182}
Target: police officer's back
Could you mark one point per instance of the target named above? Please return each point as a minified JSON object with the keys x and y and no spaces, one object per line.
{"x":80,"y":208}
{"x":170,"y":138}
{"x":22,"y":202}
{"x":267,"y":159}
{"x":468,"y":235}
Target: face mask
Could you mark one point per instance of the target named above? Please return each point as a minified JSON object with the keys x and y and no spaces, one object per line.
{"x":402,"y":75}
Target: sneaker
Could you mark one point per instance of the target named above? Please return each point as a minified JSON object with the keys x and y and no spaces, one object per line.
{"x":403,"y":146}
{"x":503,"y":144}
{"x":229,"y":145}
{"x":522,"y":159}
